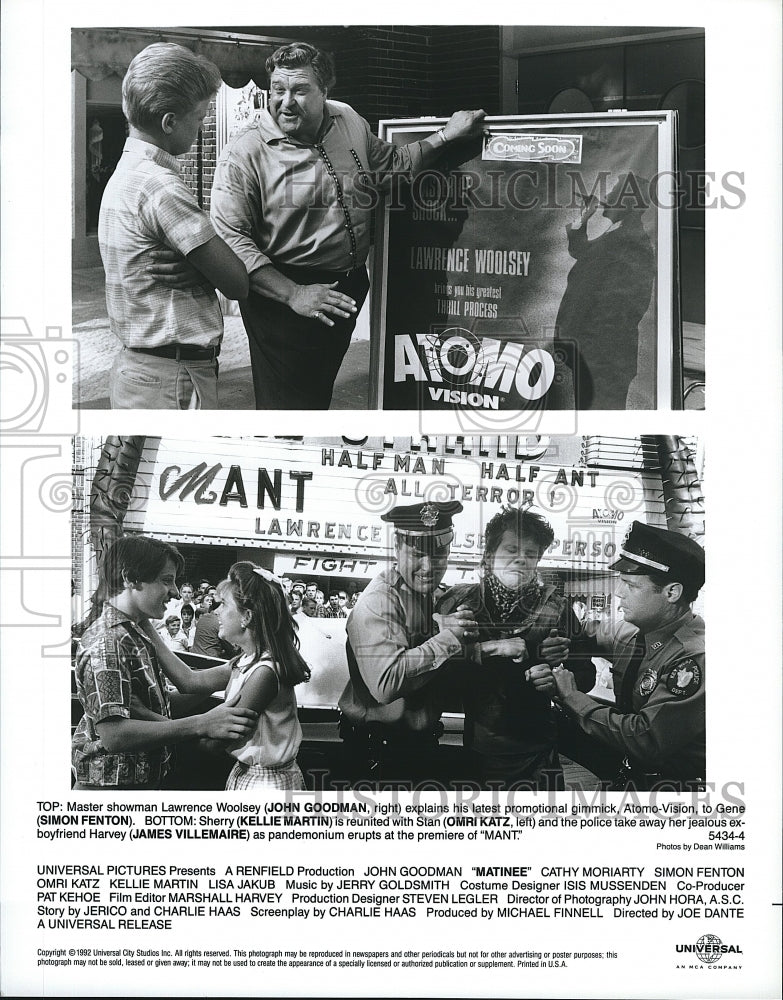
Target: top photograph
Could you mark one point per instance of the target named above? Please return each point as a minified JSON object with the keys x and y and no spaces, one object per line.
{"x":375,"y":217}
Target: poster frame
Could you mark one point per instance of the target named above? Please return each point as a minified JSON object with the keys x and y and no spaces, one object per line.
{"x":669,"y":387}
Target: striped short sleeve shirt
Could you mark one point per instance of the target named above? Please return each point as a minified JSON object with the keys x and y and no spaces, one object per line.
{"x":146,"y":207}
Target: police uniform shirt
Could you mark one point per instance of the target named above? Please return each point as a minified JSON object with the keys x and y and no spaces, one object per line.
{"x":663,"y":728}
{"x":393,"y":656}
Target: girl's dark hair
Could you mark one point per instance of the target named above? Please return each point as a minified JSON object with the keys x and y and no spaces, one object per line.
{"x":137,"y":558}
{"x":271,"y":624}
{"x":522,"y":523}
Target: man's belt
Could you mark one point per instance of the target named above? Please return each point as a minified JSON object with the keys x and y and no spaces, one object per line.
{"x":180,"y":352}
{"x":304,"y":275}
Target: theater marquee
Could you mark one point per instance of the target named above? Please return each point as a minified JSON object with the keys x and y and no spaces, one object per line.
{"x":320,"y":500}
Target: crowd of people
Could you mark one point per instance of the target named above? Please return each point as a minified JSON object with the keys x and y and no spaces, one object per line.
{"x":190,"y":624}
{"x":509,"y":648}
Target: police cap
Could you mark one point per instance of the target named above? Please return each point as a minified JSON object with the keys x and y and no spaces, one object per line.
{"x":656,"y":550}
{"x":428,"y":524}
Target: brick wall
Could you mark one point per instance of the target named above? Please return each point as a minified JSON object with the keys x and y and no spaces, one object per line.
{"x":385,"y":72}
{"x":209,"y":155}
{"x":404,"y":71}
{"x":466,"y":63}
{"x":197,"y":167}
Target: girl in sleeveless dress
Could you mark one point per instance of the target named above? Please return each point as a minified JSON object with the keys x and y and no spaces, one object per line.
{"x":254,"y":616}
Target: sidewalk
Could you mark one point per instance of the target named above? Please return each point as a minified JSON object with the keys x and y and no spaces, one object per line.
{"x":97,"y":347}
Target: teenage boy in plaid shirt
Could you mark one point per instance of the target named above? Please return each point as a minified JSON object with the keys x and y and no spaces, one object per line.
{"x":126,"y":737}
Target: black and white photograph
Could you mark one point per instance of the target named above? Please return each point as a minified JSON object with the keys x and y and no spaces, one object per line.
{"x":508,"y":613}
{"x":398,"y":687}
{"x":535,"y":242}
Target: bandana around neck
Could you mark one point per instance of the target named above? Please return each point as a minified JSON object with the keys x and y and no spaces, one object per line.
{"x":506,"y":600}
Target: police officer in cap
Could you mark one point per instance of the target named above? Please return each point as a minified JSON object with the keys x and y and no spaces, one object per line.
{"x":657,"y":725}
{"x":397,"y":651}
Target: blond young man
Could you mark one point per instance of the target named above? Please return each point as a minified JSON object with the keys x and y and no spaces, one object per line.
{"x":170,"y":333}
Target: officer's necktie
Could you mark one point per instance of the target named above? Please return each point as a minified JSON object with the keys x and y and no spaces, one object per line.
{"x":624,"y":702}
{"x":428,"y":627}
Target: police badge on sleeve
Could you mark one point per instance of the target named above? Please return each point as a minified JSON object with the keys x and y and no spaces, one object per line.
{"x":684,"y":679}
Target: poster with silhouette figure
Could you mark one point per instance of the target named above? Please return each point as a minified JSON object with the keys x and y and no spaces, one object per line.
{"x":532,"y":268}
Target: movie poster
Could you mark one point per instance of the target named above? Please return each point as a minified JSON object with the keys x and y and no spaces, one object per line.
{"x":533,"y":268}
{"x":345,"y":891}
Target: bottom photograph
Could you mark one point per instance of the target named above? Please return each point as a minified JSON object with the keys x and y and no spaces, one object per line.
{"x":502,"y":613}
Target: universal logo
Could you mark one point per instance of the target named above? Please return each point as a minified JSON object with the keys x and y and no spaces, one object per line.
{"x":709,"y":950}
{"x":534,"y":148}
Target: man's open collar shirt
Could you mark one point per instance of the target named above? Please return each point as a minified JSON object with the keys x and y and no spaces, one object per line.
{"x":281,"y":201}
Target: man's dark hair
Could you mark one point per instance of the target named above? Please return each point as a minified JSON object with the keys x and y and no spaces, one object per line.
{"x":299,"y":54}
{"x":690,"y":590}
{"x":523,"y":523}
{"x":137,"y":558}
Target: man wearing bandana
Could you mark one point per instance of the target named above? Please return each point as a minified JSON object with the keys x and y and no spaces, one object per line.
{"x":657,"y":724}
{"x":397,"y":655}
{"x":525,"y":629}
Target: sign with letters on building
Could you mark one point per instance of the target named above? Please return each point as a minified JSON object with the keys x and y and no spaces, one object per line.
{"x":319,"y":501}
{"x":535,"y":267}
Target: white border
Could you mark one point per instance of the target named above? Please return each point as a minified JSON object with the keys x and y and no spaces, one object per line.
{"x":741,"y":431}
